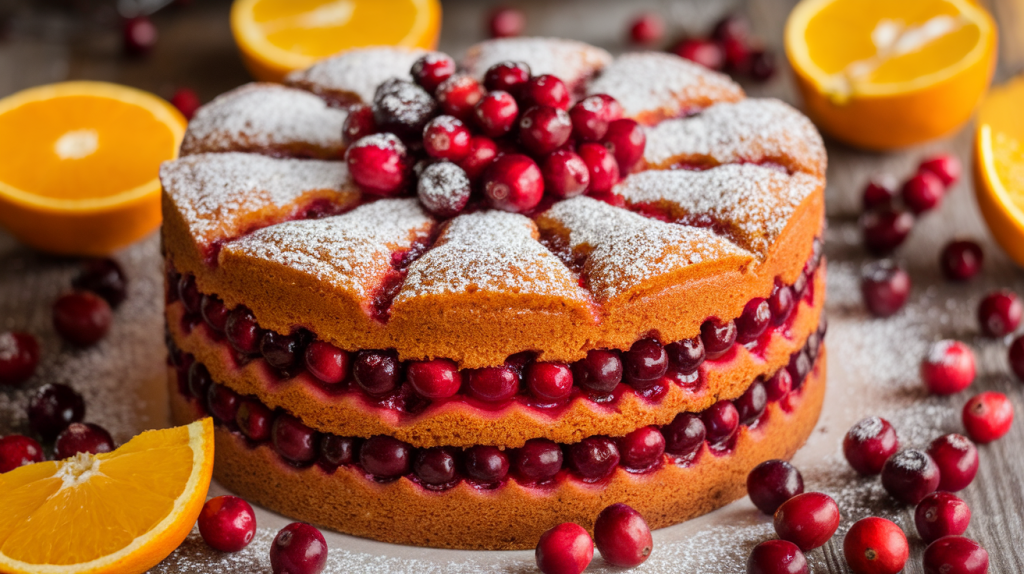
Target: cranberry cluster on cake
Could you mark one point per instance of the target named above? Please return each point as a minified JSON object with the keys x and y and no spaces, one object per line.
{"x":456,"y":305}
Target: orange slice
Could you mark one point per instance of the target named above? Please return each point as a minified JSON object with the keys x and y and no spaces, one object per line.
{"x":121,"y":512}
{"x":999,"y":166}
{"x":884,"y":74}
{"x":79,"y":174}
{"x":276,"y":37}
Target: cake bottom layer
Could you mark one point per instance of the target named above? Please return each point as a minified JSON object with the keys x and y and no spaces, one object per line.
{"x":515,"y":515}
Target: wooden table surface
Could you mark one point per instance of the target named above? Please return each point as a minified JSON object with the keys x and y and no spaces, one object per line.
{"x":872,"y":362}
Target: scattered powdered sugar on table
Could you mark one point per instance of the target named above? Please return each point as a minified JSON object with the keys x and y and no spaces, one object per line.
{"x":357,"y":72}
{"x":572,"y":61}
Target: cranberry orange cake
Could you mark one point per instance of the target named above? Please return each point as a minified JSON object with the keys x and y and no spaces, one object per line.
{"x":455,"y":305}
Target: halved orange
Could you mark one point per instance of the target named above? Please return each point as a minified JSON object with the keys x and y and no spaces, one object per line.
{"x":120,"y":512}
{"x":885,"y":74}
{"x":276,"y":37}
{"x":80,"y":165}
{"x":999,"y":166}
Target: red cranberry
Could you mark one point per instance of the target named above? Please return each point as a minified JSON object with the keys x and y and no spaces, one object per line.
{"x":543,"y":129}
{"x":646,"y":29}
{"x":222,"y":403}
{"x":731,"y":27}
{"x":946,"y":167}
{"x":948,"y":368}
{"x":778,"y":385}
{"x":957,"y":459}
{"x":546,"y":90}
{"x":565,"y":174}
{"x":594,"y":457}
{"x":513,"y":182}
{"x":772,"y":483}
{"x":941,"y":514}
{"x":721,"y":421}
{"x":538,"y":460}
{"x":82,"y":437}
{"x":446,"y":137}
{"x":493,"y":384}
{"x":999,"y":313}
{"x":591,"y":116}
{"x":434,"y":466}
{"x":187,"y":101}
{"x":280,"y":351}
{"x":435,"y":379}
{"x":298,"y":549}
{"x":139,"y":36}
{"x":1016,"y":357}
{"x":214,"y":313}
{"x":385,"y":457}
{"x":885,"y":287}
{"x":444,"y":189}
{"x":358,"y":124}
{"x":600,"y":371}
{"x":987,"y":416}
{"x":486,"y":464}
{"x":700,"y":51}
{"x":642,"y":448}
{"x":781,"y":303}
{"x":482,"y":152}
{"x":199,"y":380}
{"x":799,"y":366}
{"x":626,"y":140}
{"x":875,"y":546}
{"x":294,"y":441}
{"x":506,"y":22}
{"x":459,"y":95}
{"x":188,"y":293}
{"x":808,"y":520}
{"x":622,"y":536}
{"x":549,"y":382}
{"x":19,"y":357}
{"x":378,"y":164}
{"x":754,"y":320}
{"x":718,"y":337}
{"x":869,"y":443}
{"x":601,"y":164}
{"x":686,"y":355}
{"x":243,"y":332}
{"x":564,"y":549}
{"x":910,"y":475}
{"x":376,"y":372}
{"x":326,"y":362}
{"x":496,"y":113}
{"x":52,"y":408}
{"x":761,"y":65}
{"x":507,"y":76}
{"x":752,"y":403}
{"x":880,"y":193}
{"x":337,"y":450}
{"x":961,"y":260}
{"x":645,"y":363}
{"x":432,"y":69}
{"x":17,"y":451}
{"x":923,"y":192}
{"x":402,"y":108}
{"x":955,"y":555}
{"x":776,"y":557}
{"x":82,"y":318}
{"x":885,"y":230}
{"x":254,"y":420}
{"x":105,"y":278}
{"x":737,"y":55}
{"x":684,"y":435}
{"x":227,"y":523}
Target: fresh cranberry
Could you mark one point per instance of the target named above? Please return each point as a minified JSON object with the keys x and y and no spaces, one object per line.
{"x":459,"y":95}
{"x":737,"y":55}
{"x":910,"y":475}
{"x":187,"y":101}
{"x":298,"y":549}
{"x":293,"y":440}
{"x":781,"y":302}
{"x":999,"y":313}
{"x":199,"y":380}
{"x":482,"y":152}
{"x":254,"y":420}
{"x":444,"y":189}
{"x":601,"y":164}
{"x":564,"y":549}
{"x":646,"y":29}
{"x":549,"y":382}
{"x":52,"y":408}
{"x":538,"y":460}
{"x":879,"y":193}
{"x":591,"y":116}
{"x":432,"y":69}
{"x":941,"y":514}
{"x":435,"y":379}
{"x":105,"y":278}
{"x":19,"y":357}
{"x":987,"y":416}
{"x":923,"y":192}
{"x":435,"y":466}
{"x":600,"y":371}
{"x":808,"y":520}
{"x":337,"y":450}
{"x":385,"y":457}
{"x":506,"y":22}
{"x":761,"y":65}
{"x":957,"y":459}
{"x":565,"y":174}
{"x":594,"y":457}
{"x":622,"y":536}
{"x":718,"y":337}
{"x":885,"y":230}
{"x":327,"y":363}
{"x":686,"y":355}
{"x":402,"y":108}
{"x":507,"y":76}
{"x":772,"y":483}
{"x":82,"y":437}
{"x":961,"y":260}
{"x":645,"y":363}
{"x":486,"y":464}
{"x":778,"y":385}
{"x":214,"y":313}
{"x":869,"y":443}
{"x":138,"y":36}
{"x":700,"y":51}
{"x":243,"y":332}
{"x":754,"y":320}
{"x":721,"y":421}
{"x":17,"y":451}
{"x":446,"y":137}
{"x":642,"y":448}
{"x":684,"y":435}
{"x":543,"y":129}
{"x":546,"y":90}
{"x":875,"y":546}
{"x":377,"y":372}
{"x":188,"y":293}
{"x":378,"y":163}
{"x":82,"y":318}
{"x":496,"y":113}
{"x":227,"y":523}
{"x":222,"y":403}
{"x":358,"y":124}
{"x":281,"y":351}
{"x":731,"y":27}
{"x":493,"y":384}
{"x":513,"y":183}
{"x":752,"y":403}
{"x":948,"y":368}
{"x":885,"y":287}
{"x":945,"y":166}
{"x":776,"y":557}
{"x":955,"y":555}
{"x":1016,"y":357}
{"x":626,"y":140}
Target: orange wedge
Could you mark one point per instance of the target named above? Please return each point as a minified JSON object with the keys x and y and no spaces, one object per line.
{"x":999,"y":166}
{"x":119,"y":513}
{"x":276,"y":37}
{"x":80,"y":163}
{"x":885,"y":74}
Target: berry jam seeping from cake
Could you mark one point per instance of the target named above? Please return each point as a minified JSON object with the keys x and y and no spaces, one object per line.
{"x":541,"y":281}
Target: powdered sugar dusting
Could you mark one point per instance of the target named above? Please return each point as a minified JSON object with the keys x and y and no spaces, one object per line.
{"x":8,"y":346}
{"x":570,"y":60}
{"x":867,"y":429}
{"x":356,"y":73}
{"x":910,"y":460}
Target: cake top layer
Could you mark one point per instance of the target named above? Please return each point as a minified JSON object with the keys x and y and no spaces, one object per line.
{"x":353,"y":76}
{"x":574,"y":62}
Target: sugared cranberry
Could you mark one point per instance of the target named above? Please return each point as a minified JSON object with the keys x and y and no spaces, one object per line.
{"x":999,"y":313}
{"x":600,"y":371}
{"x":700,"y":51}
{"x":910,"y":475}
{"x":52,"y":408}
{"x":642,"y":448}
{"x":506,"y":22}
{"x":777,"y":557}
{"x":957,"y":459}
{"x":948,"y":368}
{"x":754,"y":321}
{"x":987,"y":416}
{"x":601,"y":164}
{"x":507,"y":76}
{"x":869,"y":443}
{"x":242,"y":331}
{"x":513,"y":182}
{"x":778,"y":385}
{"x":647,"y":28}
{"x":138,"y":36}
{"x":376,"y":372}
{"x":718,"y":337}
{"x":493,"y":384}
{"x":19,"y":357}
{"x":885,"y":287}
{"x":549,"y":382}
{"x":482,"y":152}
{"x":402,"y":108}
{"x":227,"y":523}
{"x":626,"y":140}
{"x":459,"y":95}
{"x":188,"y":293}
{"x":435,"y":379}
{"x":543,"y":129}
{"x":752,"y":403}
{"x":564,"y":549}
{"x":591,"y":116}
{"x":946,"y":167}
{"x":293,"y":440}
{"x":326,"y":362}
{"x":298,"y":549}
{"x":885,"y":230}
{"x":281,"y":351}
{"x":358,"y":124}
{"x":565,"y":174}
{"x":923,"y":192}
{"x":496,"y":113}
{"x":941,"y":514}
{"x":781,"y":303}
{"x":214,"y":313}
{"x":105,"y":278}
{"x":82,"y":318}
{"x":879,"y":193}
{"x":961,"y":260}
{"x":486,"y":464}
{"x":772,"y":483}
{"x":379,"y":164}
{"x":875,"y":546}
{"x":385,"y":457}
{"x":434,"y":466}
{"x":187,"y":101}
{"x":537,"y":461}
{"x":761,"y":65}
{"x":594,"y":457}
{"x":432,"y":69}
{"x":17,"y":451}
{"x":446,"y":137}
{"x":82,"y":437}
{"x":546,"y":90}
{"x":808,"y":520}
{"x":684,"y":435}
{"x":444,"y":189}
{"x":686,"y":355}
{"x":645,"y":363}
{"x":222,"y":403}
{"x":721,"y":421}
{"x":622,"y":536}
{"x":955,"y":555}
{"x":337,"y":450}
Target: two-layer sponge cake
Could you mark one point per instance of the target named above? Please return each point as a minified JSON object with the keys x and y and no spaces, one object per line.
{"x":383,"y":368}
